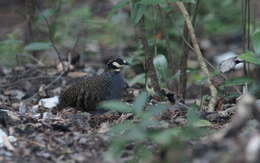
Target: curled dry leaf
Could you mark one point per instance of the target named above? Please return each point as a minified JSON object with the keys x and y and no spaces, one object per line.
{"x":64,"y":67}
{"x":13,"y":116}
{"x":76,"y":74}
{"x":5,"y":140}
{"x":42,"y":91}
{"x":104,"y":128}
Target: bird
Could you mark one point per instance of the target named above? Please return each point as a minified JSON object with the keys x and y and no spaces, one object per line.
{"x":89,"y":92}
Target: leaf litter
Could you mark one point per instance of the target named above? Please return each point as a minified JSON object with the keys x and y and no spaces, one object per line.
{"x":39,"y":133}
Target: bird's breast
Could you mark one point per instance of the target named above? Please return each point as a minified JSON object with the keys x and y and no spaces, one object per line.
{"x":116,"y":90}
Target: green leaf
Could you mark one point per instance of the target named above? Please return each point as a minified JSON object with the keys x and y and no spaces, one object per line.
{"x":47,"y":13}
{"x":136,"y":133}
{"x":192,"y":116}
{"x":53,"y":30}
{"x":140,"y":102}
{"x":250,"y":57}
{"x":115,"y":149}
{"x":237,"y":81}
{"x":161,"y":67}
{"x":161,"y":64}
{"x":152,"y":2}
{"x":115,"y":106}
{"x":187,"y":1}
{"x":201,"y":123}
{"x":143,"y":152}
{"x":140,"y":78}
{"x":10,"y":42}
{"x":119,"y":6}
{"x":166,"y":137}
{"x":36,"y":46}
{"x":256,"y":42}
{"x":120,"y":128}
{"x":137,"y":12}
{"x":153,"y":111}
{"x":8,"y":51}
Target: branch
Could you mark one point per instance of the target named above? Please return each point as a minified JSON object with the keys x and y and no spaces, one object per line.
{"x":50,"y":37}
{"x":149,"y":67}
{"x":213,"y":89}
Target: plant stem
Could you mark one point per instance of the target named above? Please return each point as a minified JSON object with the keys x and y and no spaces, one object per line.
{"x":149,"y":67}
{"x":213,"y":89}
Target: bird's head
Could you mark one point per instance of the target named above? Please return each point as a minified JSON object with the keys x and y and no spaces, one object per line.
{"x":116,"y":64}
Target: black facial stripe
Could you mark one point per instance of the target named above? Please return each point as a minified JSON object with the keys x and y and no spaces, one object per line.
{"x":119,"y":61}
{"x":112,"y":64}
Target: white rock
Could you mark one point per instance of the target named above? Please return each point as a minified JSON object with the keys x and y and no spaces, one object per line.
{"x":49,"y":102}
{"x":36,"y":116}
{"x":47,"y":115}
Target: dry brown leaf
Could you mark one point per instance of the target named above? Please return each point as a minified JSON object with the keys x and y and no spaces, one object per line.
{"x":76,"y":74}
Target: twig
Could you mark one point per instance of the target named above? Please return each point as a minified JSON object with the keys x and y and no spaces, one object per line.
{"x":213,"y":89}
{"x":184,"y":57}
{"x":32,"y":58}
{"x":50,"y":84}
{"x":76,"y":43}
{"x":24,"y":79}
{"x":223,"y":76}
{"x":55,"y":80}
{"x":170,"y":53}
{"x":213,"y":67}
{"x":50,"y":37}
{"x":73,"y":49}
{"x":183,"y":62}
{"x":30,"y":14}
{"x":187,"y":43}
{"x":31,"y":141}
{"x":245,"y":108}
{"x":194,"y":18}
{"x":149,"y":67}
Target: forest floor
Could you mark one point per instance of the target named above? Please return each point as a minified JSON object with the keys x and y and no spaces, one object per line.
{"x":40,"y":134}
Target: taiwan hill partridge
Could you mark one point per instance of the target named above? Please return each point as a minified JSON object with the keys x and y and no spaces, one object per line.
{"x":87,"y":93}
